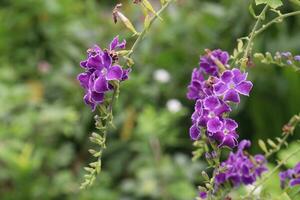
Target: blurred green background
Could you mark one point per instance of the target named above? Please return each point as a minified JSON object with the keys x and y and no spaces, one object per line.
{"x":44,"y":124}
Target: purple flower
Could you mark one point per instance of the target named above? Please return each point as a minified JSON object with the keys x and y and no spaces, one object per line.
{"x":239,"y":168}
{"x":101,"y":68}
{"x":209,"y":109}
{"x":289,"y":62}
{"x":223,"y":131}
{"x":208,"y":114}
{"x":209,"y":62}
{"x":212,"y":95}
{"x":198,"y":88}
{"x":297,"y":58}
{"x":203,"y":195}
{"x":286,"y":54}
{"x":291,"y":175}
{"x":231,"y":84}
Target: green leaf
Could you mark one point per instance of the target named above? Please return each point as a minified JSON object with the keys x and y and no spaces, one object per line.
{"x":162,"y":2}
{"x":263,"y":146}
{"x":271,"y":3}
{"x":274,"y":3}
{"x":127,"y":23}
{"x":297,"y":2}
{"x":147,"y":22}
{"x":285,"y":196}
{"x":251,"y":10}
{"x":149,"y":7}
{"x":271,"y":143}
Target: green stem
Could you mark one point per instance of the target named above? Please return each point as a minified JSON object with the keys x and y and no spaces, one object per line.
{"x":252,"y":34}
{"x":263,"y":180}
{"x":144,"y":31}
{"x":292,"y":124}
{"x":275,"y":20}
{"x":278,"y":146}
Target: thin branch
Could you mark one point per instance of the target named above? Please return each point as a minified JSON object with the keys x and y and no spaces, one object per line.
{"x":252,"y":34}
{"x":143,"y":33}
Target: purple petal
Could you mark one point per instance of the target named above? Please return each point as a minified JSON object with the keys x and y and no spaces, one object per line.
{"x":122,"y":45}
{"x":83,"y":64}
{"x":245,"y":169}
{"x":295,"y":181}
{"x":195,"y":117}
{"x":238,"y":76}
{"x":199,"y":107}
{"x":211,"y":102}
{"x":244,"y":144}
{"x":220,"y":178}
{"x":95,"y":49}
{"x":126,"y":74}
{"x":203,"y":195}
{"x":230,"y":124}
{"x":114,"y":43}
{"x":297,"y":58}
{"x":192,"y":92}
{"x":226,"y":76}
{"x":101,"y":85}
{"x":229,"y":141}
{"x":220,"y":88}
{"x":222,"y":109}
{"x":94,"y":61}
{"x":194,"y":132}
{"x":232,"y":95}
{"x":114,"y":73}
{"x":88,"y":101}
{"x":83,"y":78}
{"x":244,"y":87}
{"x":297,"y":168}
{"x":214,"y":125}
{"x":248,"y":180}
{"x":97,"y":97}
{"x":106,"y":59}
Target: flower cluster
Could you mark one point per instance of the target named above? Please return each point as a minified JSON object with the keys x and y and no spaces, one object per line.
{"x":101,"y":69}
{"x":240,"y":168}
{"x":213,"y":95}
{"x":291,"y":175}
{"x":287,"y":57}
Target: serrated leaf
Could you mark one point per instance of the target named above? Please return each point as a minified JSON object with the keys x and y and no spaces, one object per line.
{"x":263,"y":146}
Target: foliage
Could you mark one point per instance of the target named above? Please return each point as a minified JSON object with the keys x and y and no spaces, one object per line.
{"x":44,"y":125}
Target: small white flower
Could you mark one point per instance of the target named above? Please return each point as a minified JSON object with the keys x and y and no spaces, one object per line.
{"x":173,"y":105}
{"x":161,"y":75}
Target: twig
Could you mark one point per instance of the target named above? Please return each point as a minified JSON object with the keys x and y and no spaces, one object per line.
{"x":142,"y":34}
{"x":252,"y":34}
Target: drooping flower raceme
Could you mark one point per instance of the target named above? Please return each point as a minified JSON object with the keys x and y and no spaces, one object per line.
{"x":213,"y":95}
{"x":101,"y":68}
{"x":290,"y":176}
{"x":241,"y":168}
